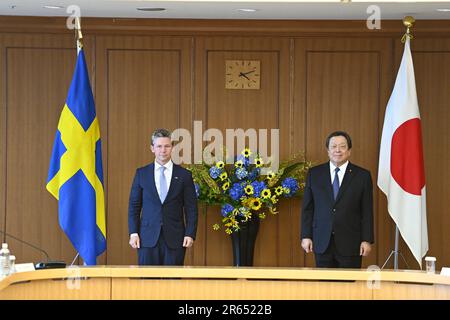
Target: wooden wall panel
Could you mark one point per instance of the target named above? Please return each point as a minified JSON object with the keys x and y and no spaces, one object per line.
{"x":38,"y":73}
{"x":3,"y":126}
{"x":146,"y":87}
{"x":223,"y":109}
{"x":341,"y":84}
{"x":313,"y":81}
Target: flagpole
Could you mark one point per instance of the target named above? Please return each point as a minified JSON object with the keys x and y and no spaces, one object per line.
{"x":79,"y":37}
{"x":78,"y":34}
{"x":408,"y":22}
{"x":396,"y":248}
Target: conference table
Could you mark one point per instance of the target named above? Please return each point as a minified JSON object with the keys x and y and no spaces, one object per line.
{"x":222,"y":283}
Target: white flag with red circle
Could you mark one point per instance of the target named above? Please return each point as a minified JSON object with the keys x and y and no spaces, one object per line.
{"x":401,"y":173}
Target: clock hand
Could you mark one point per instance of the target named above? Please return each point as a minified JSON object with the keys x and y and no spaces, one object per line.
{"x":243,"y":75}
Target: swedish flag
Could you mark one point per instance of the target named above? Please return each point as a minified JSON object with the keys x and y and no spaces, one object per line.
{"x":75,"y":176}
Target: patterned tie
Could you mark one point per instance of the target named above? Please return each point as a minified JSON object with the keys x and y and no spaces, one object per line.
{"x":336,"y":183}
{"x":162,"y":184}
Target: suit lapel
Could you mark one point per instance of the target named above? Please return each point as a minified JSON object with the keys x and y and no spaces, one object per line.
{"x":348,"y":176}
{"x":326,"y":180}
{"x":149,"y":179}
{"x":173,"y":180}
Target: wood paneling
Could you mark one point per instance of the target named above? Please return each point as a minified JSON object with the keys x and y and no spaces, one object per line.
{"x":342,"y":84}
{"x":38,"y":73}
{"x":161,"y":73}
{"x":209,"y":283}
{"x":266,"y":108}
{"x":3,"y":122}
{"x":291,"y":28}
{"x":146,"y":86}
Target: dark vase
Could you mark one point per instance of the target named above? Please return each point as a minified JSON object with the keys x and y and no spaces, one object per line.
{"x":244,"y":242}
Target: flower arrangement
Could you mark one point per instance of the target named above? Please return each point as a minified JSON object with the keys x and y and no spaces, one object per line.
{"x":243,"y":191}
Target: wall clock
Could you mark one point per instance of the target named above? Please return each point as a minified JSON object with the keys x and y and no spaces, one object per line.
{"x":242,"y":74}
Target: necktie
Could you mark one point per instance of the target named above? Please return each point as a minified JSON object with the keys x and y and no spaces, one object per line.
{"x":336,"y":183}
{"x":162,"y":184}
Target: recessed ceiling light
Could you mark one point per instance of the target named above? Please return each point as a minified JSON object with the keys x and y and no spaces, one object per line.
{"x":53,"y":7}
{"x":443,"y":10}
{"x":247,"y":10}
{"x":150,"y":9}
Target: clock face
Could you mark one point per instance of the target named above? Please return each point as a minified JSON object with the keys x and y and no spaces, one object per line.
{"x":242,"y":74}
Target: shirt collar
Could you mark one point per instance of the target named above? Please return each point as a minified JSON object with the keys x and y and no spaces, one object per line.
{"x":342,"y":168}
{"x":168,"y":165}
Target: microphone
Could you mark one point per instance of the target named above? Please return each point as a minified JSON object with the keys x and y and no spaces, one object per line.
{"x":40,"y":265}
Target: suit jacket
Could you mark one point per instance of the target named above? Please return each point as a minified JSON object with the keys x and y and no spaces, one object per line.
{"x":349,"y":217}
{"x":176,"y":217}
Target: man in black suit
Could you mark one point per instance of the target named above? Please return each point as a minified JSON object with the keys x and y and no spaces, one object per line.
{"x":162,"y":213}
{"x":337,"y":213}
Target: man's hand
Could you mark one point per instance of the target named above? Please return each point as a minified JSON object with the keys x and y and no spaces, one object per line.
{"x":134,"y":241}
{"x":365,"y":249}
{"x":188,"y":242}
{"x":307,"y":245}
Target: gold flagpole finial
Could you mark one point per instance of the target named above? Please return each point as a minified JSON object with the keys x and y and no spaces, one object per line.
{"x":408,"y":22}
{"x":78,"y":33}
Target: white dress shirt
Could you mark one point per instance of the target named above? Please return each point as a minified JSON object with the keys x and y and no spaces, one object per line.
{"x":341,"y":172}
{"x":167,"y":174}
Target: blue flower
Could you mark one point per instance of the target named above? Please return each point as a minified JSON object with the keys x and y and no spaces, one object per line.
{"x":226,"y":209}
{"x":241,"y":173}
{"x":258,"y":186}
{"x":237,"y":191}
{"x":254,"y":174}
{"x":197,"y":189}
{"x":291,"y":184}
{"x":245,"y":160}
{"x":215,"y":172}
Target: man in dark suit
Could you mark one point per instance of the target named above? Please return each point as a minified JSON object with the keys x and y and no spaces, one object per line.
{"x":337,"y":213}
{"x":162,"y":213}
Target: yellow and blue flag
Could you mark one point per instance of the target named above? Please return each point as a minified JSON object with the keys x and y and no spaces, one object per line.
{"x":75,"y":176}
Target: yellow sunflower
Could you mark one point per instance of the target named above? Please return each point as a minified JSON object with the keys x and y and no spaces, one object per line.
{"x":223,"y":176}
{"x":255,"y":204}
{"x":248,"y":190}
{"x":279,"y":190}
{"x":220,"y":164}
{"x":270,"y":175}
{"x":265,"y":194}
{"x":246,"y":152}
{"x":225,"y":186}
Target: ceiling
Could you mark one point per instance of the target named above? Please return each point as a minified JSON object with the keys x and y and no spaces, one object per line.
{"x":218,"y":9}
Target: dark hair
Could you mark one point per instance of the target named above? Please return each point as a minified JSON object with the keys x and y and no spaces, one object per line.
{"x":339,"y":134}
{"x":160,"y":133}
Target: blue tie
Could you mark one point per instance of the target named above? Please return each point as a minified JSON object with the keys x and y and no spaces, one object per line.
{"x":162,"y":184}
{"x":336,"y":183}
